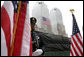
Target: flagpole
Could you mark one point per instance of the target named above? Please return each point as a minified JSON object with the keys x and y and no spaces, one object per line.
{"x":15,"y":27}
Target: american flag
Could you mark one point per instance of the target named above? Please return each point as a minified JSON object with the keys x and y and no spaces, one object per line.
{"x":76,"y":40}
{"x":45,"y":21}
{"x":22,"y":42}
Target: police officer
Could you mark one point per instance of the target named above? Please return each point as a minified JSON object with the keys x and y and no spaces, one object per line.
{"x":37,"y":42}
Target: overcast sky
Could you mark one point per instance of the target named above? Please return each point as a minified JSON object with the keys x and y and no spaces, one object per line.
{"x":64,"y":7}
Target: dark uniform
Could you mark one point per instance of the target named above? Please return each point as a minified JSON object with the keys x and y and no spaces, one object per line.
{"x":37,"y":42}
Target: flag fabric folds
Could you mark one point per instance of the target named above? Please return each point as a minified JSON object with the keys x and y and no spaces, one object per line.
{"x":7,"y":24}
{"x":23,"y":37}
{"x":22,"y":42}
{"x":76,"y":40}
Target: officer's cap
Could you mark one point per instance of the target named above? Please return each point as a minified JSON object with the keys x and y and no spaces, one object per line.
{"x":33,"y":20}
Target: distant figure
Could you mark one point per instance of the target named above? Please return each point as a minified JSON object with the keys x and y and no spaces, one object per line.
{"x":37,"y":43}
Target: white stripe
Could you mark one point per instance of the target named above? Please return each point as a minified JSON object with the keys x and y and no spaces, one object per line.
{"x":73,"y":51}
{"x":76,"y":48}
{"x":3,"y":44}
{"x":78,"y":43}
{"x":10,"y":10}
{"x":26,"y":35}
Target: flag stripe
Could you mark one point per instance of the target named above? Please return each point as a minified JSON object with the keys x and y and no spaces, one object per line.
{"x":78,"y":43}
{"x":76,"y":47}
{"x":71,"y":54}
{"x":79,"y":36}
{"x":79,"y":40}
{"x":10,"y":11}
{"x":3,"y":44}
{"x":30,"y":53}
{"x":72,"y":50}
{"x":7,"y":22}
{"x":19,"y":31}
{"x":14,"y":19}
{"x":25,"y":50}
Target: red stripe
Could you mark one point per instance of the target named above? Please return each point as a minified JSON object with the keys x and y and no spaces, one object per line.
{"x":79,"y":40}
{"x":5,"y":23}
{"x":19,"y":31}
{"x":30,"y":53}
{"x":77,"y":45}
{"x":14,"y":19}
{"x":72,"y":53}
{"x":74,"y":49}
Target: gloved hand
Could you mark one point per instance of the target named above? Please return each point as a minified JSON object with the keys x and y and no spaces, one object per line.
{"x":37,"y":52}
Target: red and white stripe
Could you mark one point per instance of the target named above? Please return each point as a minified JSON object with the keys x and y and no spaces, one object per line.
{"x":7,"y":12}
{"x":22,"y":46}
{"x":76,"y":45}
{"x":26,"y":49}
